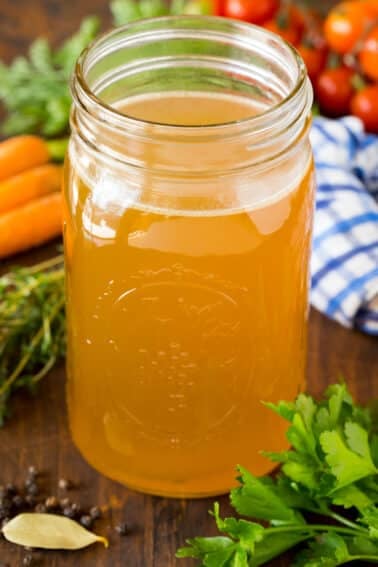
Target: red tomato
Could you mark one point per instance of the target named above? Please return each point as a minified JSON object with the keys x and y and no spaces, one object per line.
{"x":287,"y":24}
{"x":346,"y":23}
{"x":314,"y":58}
{"x":365,"y":105}
{"x":218,"y":7}
{"x":297,"y":18}
{"x":334,"y":91}
{"x":253,"y":11}
{"x":373,"y":6}
{"x":368,"y":55}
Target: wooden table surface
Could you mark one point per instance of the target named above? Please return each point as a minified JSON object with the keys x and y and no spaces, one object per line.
{"x":37,"y":432}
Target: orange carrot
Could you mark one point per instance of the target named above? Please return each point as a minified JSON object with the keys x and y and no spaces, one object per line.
{"x":30,"y":225}
{"x":30,"y":184}
{"x":20,"y":153}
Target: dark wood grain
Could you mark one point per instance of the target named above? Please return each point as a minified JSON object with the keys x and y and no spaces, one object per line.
{"x":37,"y":432}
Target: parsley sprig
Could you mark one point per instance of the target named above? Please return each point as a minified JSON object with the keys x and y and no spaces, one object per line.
{"x":329,"y":473}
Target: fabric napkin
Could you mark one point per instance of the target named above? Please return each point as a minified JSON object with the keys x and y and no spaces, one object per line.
{"x":344,"y":265}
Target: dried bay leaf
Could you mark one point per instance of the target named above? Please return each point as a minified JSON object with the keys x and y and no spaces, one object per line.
{"x":49,"y":531}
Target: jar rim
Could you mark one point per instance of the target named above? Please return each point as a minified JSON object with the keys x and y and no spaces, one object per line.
{"x":84,"y":95}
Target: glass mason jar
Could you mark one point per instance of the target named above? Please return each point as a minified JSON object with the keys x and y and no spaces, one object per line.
{"x":188,"y":213}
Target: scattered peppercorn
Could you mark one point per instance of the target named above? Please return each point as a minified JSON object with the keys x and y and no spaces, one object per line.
{"x":69,"y":512}
{"x":65,"y":484}
{"x":76,"y":508}
{"x":32,"y":488}
{"x":32,"y":472}
{"x":86,"y":521}
{"x":65,"y":503}
{"x":11,"y":489}
{"x":18,"y":501}
{"x":52,"y":503}
{"x":95,"y":513}
{"x":30,"y":501}
{"x":122,"y":529}
{"x":30,"y":496}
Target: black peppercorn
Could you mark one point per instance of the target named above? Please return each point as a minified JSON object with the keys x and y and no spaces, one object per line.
{"x":11,"y":489}
{"x":69,"y":512}
{"x":52,"y":503}
{"x":122,"y":529}
{"x":4,"y":512}
{"x":18,"y":501}
{"x":32,"y":472}
{"x":32,"y":488}
{"x":65,"y":503}
{"x":95,"y":513}
{"x":76,"y":508}
{"x":30,"y":501}
{"x":86,"y":521}
{"x":65,"y":484}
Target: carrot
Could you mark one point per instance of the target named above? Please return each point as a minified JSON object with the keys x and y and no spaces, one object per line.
{"x":20,"y":153}
{"x":30,"y":184}
{"x":31,"y":225}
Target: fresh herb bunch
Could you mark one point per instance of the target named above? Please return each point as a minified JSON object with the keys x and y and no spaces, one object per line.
{"x":35,"y":90}
{"x":32,"y":326}
{"x":330,"y":472}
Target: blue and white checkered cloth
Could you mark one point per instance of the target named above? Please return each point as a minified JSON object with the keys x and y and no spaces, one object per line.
{"x":344,"y":266}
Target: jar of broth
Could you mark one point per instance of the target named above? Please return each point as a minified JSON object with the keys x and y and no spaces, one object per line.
{"x":189,"y":195}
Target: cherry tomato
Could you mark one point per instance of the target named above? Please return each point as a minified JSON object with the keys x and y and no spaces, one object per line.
{"x":253,"y":11}
{"x":218,"y":7}
{"x":314,"y":58}
{"x":373,"y":6}
{"x":297,"y":18}
{"x":334,"y":91}
{"x":365,"y":105}
{"x":368,"y":55}
{"x":346,"y":23}
{"x":287,"y":24}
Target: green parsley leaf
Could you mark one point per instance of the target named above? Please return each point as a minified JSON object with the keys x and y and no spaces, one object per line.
{"x":326,"y":550}
{"x":374,"y":449}
{"x":351,"y":497}
{"x":248,"y":533}
{"x":370,"y":519}
{"x":331,"y":463}
{"x":273,"y":545}
{"x":345,"y":464}
{"x":258,"y":498}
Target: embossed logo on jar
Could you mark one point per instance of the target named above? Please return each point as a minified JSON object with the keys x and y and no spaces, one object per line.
{"x":181,"y":336}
